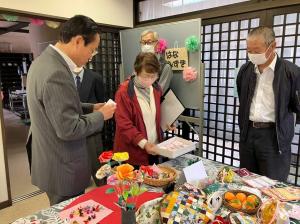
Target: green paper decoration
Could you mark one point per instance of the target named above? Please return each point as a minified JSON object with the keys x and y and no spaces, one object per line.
{"x":10,"y":18}
{"x":192,"y":43}
{"x":110,"y":191}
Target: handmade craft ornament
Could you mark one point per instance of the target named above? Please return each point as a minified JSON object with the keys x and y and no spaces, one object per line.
{"x":161,"y":46}
{"x":10,"y":18}
{"x":104,"y":171}
{"x":52,"y":24}
{"x":36,"y":22}
{"x":189,"y":74}
{"x":215,"y":201}
{"x":192,"y":43}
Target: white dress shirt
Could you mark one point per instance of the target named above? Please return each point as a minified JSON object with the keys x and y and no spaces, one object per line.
{"x":149,"y":117}
{"x":262,"y":108}
{"x":80,"y":74}
{"x":68,"y":60}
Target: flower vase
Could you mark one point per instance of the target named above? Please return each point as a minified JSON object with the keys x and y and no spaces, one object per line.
{"x":128,"y":216}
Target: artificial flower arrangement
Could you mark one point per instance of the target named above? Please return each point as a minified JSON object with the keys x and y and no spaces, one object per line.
{"x":125,"y":180}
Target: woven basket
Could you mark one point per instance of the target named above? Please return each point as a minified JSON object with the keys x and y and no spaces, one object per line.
{"x":250,"y":212}
{"x":162,"y":182}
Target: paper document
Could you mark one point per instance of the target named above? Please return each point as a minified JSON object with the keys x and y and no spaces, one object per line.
{"x":194,"y":173}
{"x":171,"y":108}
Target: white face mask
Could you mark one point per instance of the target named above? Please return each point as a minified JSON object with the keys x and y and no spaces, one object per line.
{"x":259,"y":59}
{"x":146,"y":82}
{"x":147,"y":48}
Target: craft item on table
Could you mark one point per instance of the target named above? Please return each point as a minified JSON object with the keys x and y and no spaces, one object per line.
{"x":189,"y":187}
{"x":225,"y":175}
{"x":220,"y":220}
{"x":189,"y":74}
{"x":241,"y":201}
{"x":293,"y":210}
{"x":212,"y":188}
{"x":149,"y":212}
{"x":88,"y":212}
{"x":252,"y":190}
{"x":185,"y":207}
{"x":192,"y":43}
{"x":125,"y":181}
{"x":215,"y":201}
{"x":175,"y":147}
{"x":272,"y":211}
{"x":158,"y":175}
{"x":258,"y":181}
{"x":192,"y":161}
{"x":241,"y":218}
{"x":203,"y":183}
{"x":243,"y":172}
{"x":194,"y":173}
{"x":287,"y":193}
{"x":161,"y":46}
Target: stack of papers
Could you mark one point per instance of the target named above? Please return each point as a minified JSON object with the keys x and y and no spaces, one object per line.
{"x":175,"y":147}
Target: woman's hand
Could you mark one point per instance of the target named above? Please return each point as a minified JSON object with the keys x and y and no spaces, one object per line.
{"x":151,"y":148}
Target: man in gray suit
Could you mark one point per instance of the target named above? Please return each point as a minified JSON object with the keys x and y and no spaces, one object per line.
{"x":59,"y":121}
{"x":91,"y":90}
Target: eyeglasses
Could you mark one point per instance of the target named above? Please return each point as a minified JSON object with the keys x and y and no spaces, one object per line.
{"x":149,"y":42}
{"x":95,"y":52}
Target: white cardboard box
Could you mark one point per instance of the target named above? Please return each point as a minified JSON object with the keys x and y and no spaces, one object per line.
{"x":175,"y":147}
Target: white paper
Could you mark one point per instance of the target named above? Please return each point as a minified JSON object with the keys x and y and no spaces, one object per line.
{"x":194,"y":173}
{"x":110,"y":101}
{"x":171,"y":108}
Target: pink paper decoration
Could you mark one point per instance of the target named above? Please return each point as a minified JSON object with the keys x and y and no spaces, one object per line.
{"x":37,"y":22}
{"x":162,"y":45}
{"x":189,"y":74}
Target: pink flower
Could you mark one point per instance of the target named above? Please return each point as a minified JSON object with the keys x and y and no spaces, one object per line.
{"x":112,"y":180}
{"x":162,"y":45}
{"x":189,"y":74}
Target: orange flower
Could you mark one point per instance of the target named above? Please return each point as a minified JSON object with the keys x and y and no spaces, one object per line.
{"x":125,"y":172}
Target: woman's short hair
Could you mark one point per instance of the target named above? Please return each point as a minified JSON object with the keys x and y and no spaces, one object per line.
{"x":146,"y":61}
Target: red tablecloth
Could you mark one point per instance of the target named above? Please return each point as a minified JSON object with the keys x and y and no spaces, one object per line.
{"x":108,"y":201}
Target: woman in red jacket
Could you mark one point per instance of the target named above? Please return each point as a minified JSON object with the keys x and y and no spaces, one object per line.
{"x":138,"y":112}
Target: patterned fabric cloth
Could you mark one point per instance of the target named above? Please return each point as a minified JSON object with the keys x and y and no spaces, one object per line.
{"x":148,"y":213}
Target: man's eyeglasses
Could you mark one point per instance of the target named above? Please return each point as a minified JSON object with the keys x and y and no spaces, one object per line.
{"x":95,"y":52}
{"x":148,"y":42}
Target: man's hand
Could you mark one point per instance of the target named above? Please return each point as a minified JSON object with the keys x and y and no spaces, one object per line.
{"x":97,"y":106}
{"x":151,"y":148}
{"x":107,"y":110}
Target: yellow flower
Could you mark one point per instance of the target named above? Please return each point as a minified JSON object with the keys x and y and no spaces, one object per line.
{"x":120,"y":156}
{"x":125,"y":172}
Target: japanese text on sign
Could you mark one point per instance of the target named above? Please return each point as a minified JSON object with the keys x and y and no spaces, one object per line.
{"x":177,"y":58}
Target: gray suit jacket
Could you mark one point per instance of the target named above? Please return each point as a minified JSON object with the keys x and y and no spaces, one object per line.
{"x":59,"y":127}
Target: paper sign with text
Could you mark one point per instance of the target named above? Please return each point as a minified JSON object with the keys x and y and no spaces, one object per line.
{"x":177,"y":57}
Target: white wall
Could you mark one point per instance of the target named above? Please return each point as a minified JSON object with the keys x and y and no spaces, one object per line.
{"x":110,"y":12}
{"x":3,"y":182}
